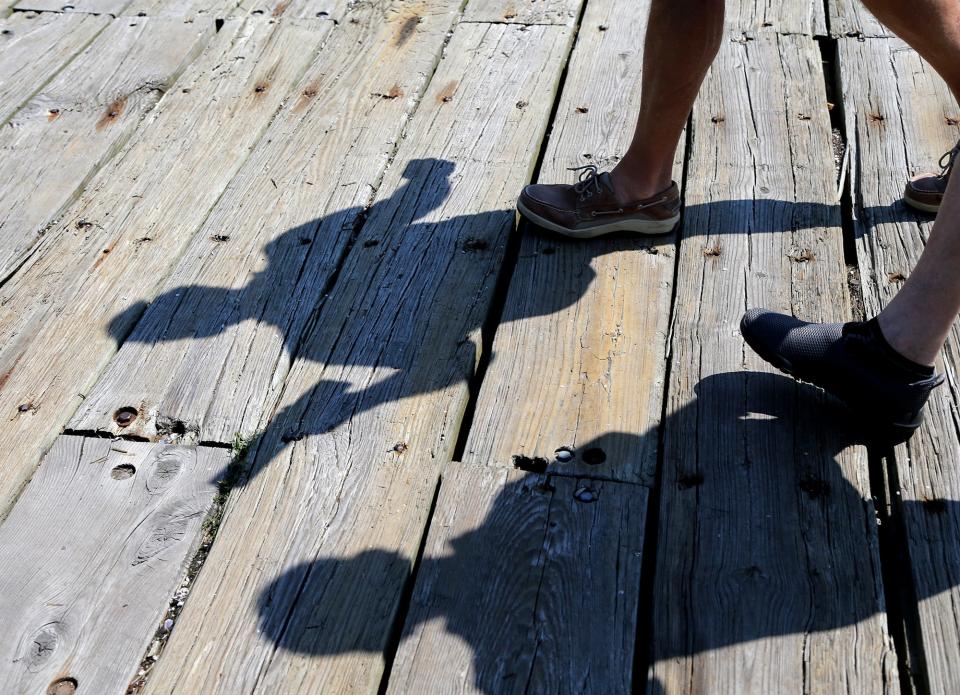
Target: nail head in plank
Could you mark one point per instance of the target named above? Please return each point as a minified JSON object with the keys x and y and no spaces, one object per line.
{"x":138,"y":215}
{"x":768,"y":572}
{"x":329,"y":479}
{"x":528,"y":583}
{"x":901,"y":117}
{"x":235,"y":308}
{"x":585,"y":323}
{"x":92,"y":553}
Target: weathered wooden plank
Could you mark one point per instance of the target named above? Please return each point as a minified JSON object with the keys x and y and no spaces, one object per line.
{"x":349,"y":465}
{"x":783,"y":16}
{"x":63,"y":313}
{"x":222,"y":332}
{"x":900,"y":118}
{"x":850,"y":18}
{"x":332,"y":9}
{"x":768,"y":573}
{"x":102,"y":7}
{"x":91,"y":555}
{"x":55,"y":143}
{"x":189,"y":9}
{"x":33,"y":48}
{"x":564,"y":12}
{"x":528,"y":584}
{"x":580,"y":349}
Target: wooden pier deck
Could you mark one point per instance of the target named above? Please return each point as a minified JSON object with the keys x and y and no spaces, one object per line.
{"x":287,"y":393}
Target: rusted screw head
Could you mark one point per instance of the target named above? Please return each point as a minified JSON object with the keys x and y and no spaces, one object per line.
{"x":124,"y":417}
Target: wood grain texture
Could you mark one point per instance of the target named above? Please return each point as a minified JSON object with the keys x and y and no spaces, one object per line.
{"x":63,"y":314}
{"x":99,"y":7}
{"x":331,"y":9}
{"x":768,"y":574}
{"x":224,"y":330}
{"x":849,"y":18}
{"x":187,"y":9}
{"x":900,"y":118}
{"x":783,"y":16}
{"x":303,"y":584}
{"x":56,"y":142}
{"x":564,"y":12}
{"x":567,"y":378}
{"x":34,"y":48}
{"x":92,"y":554}
{"x":528,"y":584}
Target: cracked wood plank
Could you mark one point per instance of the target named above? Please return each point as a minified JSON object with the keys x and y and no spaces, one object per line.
{"x":783,"y":16}
{"x":563,"y":12}
{"x":232,"y":312}
{"x":768,"y":575}
{"x":91,"y":555}
{"x":303,"y":584}
{"x":900,"y":118}
{"x":34,"y":48}
{"x":849,"y":18}
{"x":528,"y":584}
{"x":56,"y":142}
{"x":578,"y":357}
{"x":64,"y":312}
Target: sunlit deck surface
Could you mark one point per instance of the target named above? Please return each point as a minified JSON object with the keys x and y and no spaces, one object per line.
{"x":291,"y":402}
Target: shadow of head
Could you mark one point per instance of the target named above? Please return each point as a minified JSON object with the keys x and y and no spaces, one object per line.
{"x":782,"y":555}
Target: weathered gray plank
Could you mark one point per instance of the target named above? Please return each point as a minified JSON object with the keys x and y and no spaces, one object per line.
{"x":222,"y":332}
{"x":188,"y":9}
{"x":348,"y":467}
{"x":900,"y":118}
{"x":768,"y":573}
{"x":580,"y":349}
{"x":63,"y":313}
{"x":783,"y":16}
{"x":56,"y":142}
{"x":92,"y":553}
{"x":103,"y":7}
{"x":528,"y":584}
{"x":563,"y":12}
{"x":850,"y":18}
{"x":332,"y":9}
{"x":33,"y":48}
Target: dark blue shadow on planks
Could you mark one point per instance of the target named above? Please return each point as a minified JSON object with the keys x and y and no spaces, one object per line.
{"x":790,"y":412}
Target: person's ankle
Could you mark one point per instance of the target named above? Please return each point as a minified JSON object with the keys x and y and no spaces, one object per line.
{"x":901,"y":342}
{"x":629,"y":187}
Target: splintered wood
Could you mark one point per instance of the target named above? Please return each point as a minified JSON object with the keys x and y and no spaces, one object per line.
{"x":901,"y":118}
{"x":767,"y":551}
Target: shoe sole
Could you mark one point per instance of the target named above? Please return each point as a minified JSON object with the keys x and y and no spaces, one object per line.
{"x":644,"y":227}
{"x":917,"y":205}
{"x":890,"y":433}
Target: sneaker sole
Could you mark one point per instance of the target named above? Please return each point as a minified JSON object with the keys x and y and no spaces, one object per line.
{"x":917,"y":205}
{"x":644,"y":227}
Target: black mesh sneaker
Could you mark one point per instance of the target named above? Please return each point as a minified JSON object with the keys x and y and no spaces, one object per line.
{"x":851,"y":361}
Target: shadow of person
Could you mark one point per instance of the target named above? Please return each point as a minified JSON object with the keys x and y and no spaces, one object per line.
{"x":794,"y":546}
{"x":288,"y":293}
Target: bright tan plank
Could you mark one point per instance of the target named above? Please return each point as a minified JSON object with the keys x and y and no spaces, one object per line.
{"x":33,"y":48}
{"x":580,"y":349}
{"x":902,"y":117}
{"x":92,"y":554}
{"x":63,"y":313}
{"x":234,"y":310}
{"x":768,"y":575}
{"x":348,"y":467}
{"x":57,"y":141}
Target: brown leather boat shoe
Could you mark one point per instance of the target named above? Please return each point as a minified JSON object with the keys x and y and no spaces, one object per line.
{"x":925,"y":192}
{"x":590,"y":207}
